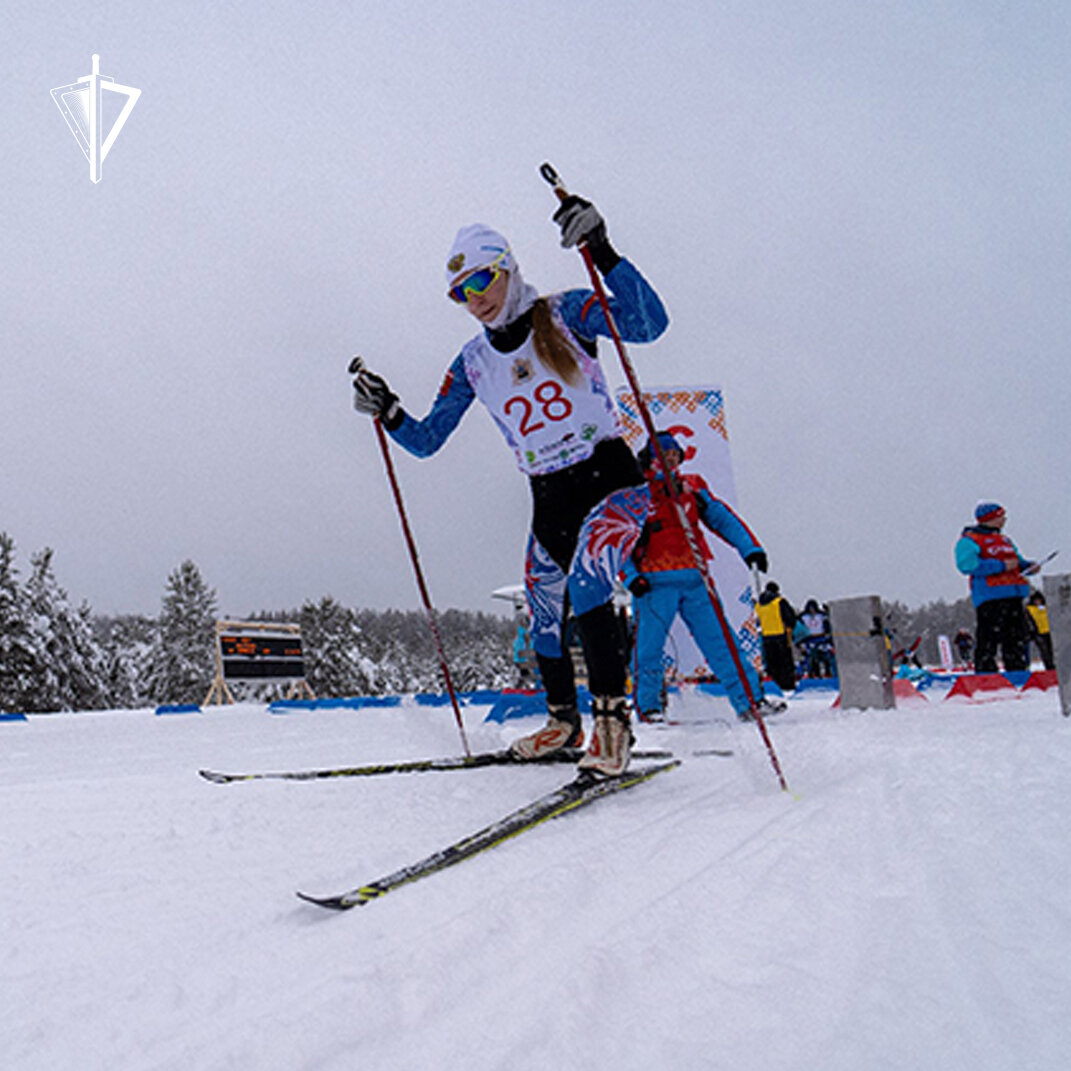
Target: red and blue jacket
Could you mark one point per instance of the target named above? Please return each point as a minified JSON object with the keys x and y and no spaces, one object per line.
{"x":664,"y":546}
{"x":981,"y":554}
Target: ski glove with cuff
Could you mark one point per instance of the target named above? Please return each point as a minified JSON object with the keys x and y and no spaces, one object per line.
{"x":758,"y":559}
{"x":373,"y":397}
{"x":582,"y":224}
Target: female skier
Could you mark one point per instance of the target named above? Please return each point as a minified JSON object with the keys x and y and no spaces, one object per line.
{"x":534,"y":366}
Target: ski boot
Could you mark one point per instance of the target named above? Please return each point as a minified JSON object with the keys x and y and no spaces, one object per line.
{"x":768,"y":706}
{"x":611,"y":739}
{"x":562,"y":730}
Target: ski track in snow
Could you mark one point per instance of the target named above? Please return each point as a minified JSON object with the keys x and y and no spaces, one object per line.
{"x":903,"y":907}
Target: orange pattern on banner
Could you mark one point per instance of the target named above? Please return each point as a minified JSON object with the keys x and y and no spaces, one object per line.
{"x":663,"y":403}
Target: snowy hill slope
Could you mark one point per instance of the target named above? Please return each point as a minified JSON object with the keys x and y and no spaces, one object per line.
{"x":905,"y":908}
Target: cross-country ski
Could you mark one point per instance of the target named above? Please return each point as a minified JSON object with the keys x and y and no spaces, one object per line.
{"x":579,"y":792}
{"x":503,"y":757}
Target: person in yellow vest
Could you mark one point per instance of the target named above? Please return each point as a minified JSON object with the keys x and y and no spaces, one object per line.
{"x":1037,"y":627}
{"x":776,"y":621}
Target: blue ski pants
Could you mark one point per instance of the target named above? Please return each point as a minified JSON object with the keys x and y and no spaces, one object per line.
{"x":682,"y":591}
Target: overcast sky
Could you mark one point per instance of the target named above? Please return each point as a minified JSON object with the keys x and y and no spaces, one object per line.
{"x":857,"y":215}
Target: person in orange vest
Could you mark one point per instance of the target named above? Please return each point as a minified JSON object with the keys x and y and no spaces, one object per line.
{"x":1037,"y":627}
{"x":664,"y":581}
{"x":777,"y":618}
{"x":998,"y":586}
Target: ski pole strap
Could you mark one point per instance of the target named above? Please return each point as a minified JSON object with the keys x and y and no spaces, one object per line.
{"x":552,"y":176}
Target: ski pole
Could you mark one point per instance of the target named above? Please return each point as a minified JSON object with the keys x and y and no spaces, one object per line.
{"x":756,"y":585}
{"x":551,"y":176}
{"x":1041,"y":562}
{"x":429,"y":610}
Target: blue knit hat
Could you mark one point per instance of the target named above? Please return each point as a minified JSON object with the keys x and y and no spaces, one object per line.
{"x":987,"y":512}
{"x":667,"y":441}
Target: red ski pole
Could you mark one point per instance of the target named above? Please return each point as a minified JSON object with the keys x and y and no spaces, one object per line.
{"x":552,"y":176}
{"x":429,"y":610}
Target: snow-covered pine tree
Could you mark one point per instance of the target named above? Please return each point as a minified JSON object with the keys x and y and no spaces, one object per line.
{"x":88,"y":684}
{"x":20,"y":656}
{"x":399,"y":645}
{"x":334,"y":664}
{"x":183,"y":656}
{"x":479,"y":649}
{"x":129,"y":643}
{"x":70,"y":674}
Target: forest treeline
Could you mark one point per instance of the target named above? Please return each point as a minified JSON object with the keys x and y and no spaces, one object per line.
{"x":56,"y":657}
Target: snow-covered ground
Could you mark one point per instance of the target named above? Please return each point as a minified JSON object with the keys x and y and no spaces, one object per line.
{"x":906,"y":907}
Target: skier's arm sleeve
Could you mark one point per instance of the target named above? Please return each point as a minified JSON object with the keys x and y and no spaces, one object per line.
{"x":633,"y":566}
{"x":721,"y":519}
{"x":637,"y":310}
{"x":423,"y":437}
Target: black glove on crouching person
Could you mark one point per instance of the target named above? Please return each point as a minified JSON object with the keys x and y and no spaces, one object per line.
{"x":758,"y":559}
{"x":581,"y":224}
{"x":373,"y":397}
{"x":640,"y":586}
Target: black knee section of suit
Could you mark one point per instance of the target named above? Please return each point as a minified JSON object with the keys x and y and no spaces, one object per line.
{"x":604,"y":650}
{"x":558,"y":680}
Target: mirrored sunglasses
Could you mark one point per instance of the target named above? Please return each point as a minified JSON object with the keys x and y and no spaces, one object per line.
{"x":479,"y":282}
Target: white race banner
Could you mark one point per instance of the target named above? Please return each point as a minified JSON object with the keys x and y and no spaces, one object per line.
{"x":945,"y":649}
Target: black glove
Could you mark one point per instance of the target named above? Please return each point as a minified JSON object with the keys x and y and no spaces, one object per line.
{"x":581,"y":223}
{"x":372,"y":395}
{"x":640,"y":586}
{"x":758,"y":558}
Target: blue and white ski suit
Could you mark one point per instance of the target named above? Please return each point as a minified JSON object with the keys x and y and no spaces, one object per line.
{"x":589,"y":497}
